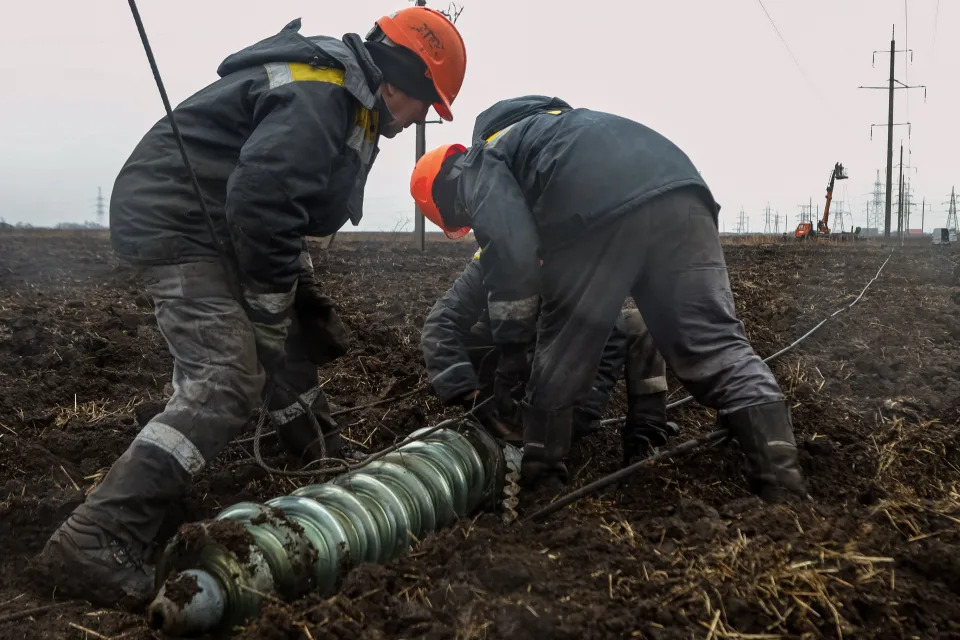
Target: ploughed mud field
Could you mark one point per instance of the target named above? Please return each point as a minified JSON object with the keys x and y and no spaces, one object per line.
{"x":682,"y":551}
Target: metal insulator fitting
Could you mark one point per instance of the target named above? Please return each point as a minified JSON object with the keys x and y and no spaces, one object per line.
{"x":215,"y":574}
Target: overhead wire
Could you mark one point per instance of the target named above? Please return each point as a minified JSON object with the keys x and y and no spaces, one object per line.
{"x":906,"y":71}
{"x":936,"y":16}
{"x":796,"y":61}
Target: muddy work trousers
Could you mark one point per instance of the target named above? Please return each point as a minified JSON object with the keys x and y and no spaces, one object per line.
{"x":218,"y":383}
{"x":667,"y":255}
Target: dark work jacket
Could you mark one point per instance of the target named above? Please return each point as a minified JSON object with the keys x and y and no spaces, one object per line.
{"x":459,"y":323}
{"x":540,"y":175}
{"x":281,"y":144}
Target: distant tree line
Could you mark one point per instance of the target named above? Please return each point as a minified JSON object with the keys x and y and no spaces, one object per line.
{"x":63,"y":225}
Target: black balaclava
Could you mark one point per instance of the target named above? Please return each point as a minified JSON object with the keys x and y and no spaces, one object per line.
{"x":403,"y":69}
{"x":445,"y":189}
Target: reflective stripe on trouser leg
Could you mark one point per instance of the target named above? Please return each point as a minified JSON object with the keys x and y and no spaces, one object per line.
{"x":294,"y":410}
{"x":297,"y":431}
{"x":217,"y":383}
{"x":174,"y":443}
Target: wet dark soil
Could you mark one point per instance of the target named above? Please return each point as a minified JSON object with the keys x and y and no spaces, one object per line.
{"x":682,"y":550}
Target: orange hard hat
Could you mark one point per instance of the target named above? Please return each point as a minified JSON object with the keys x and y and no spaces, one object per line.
{"x":421,"y":186}
{"x":430,"y":35}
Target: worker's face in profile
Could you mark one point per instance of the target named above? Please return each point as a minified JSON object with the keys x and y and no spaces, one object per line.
{"x":406,"y":110}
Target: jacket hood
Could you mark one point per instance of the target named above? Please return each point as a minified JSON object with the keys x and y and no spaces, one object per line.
{"x":507,"y":112}
{"x":362,"y":78}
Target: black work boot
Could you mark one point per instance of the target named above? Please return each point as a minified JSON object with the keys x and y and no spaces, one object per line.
{"x":584,"y":424}
{"x":546,"y":442}
{"x":765,"y":434}
{"x":299,"y":436}
{"x":646,"y":427}
{"x":85,"y":561}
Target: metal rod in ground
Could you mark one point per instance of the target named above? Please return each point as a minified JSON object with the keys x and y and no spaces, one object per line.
{"x":597,"y":485}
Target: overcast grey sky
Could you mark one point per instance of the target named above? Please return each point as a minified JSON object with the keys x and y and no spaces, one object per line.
{"x":712,"y":75}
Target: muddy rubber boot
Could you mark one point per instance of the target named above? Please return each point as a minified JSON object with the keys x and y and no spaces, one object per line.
{"x":546,"y":442}
{"x":765,"y":434}
{"x":646,"y":427}
{"x":84,"y":561}
{"x":298,"y":435}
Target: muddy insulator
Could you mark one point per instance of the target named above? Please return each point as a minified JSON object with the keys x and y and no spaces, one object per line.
{"x":215,"y":574}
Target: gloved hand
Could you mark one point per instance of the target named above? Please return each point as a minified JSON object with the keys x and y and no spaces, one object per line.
{"x":324,"y":336}
{"x":486,"y":413}
{"x":512,"y":373}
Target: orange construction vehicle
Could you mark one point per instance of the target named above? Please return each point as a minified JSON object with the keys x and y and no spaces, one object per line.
{"x":805,"y":229}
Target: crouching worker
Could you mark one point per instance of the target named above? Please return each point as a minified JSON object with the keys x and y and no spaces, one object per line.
{"x":462,"y":362}
{"x":282,"y":145}
{"x":614,"y":209}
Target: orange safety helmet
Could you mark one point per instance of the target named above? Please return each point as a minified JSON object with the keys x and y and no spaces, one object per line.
{"x":430,"y":35}
{"x":421,"y":186}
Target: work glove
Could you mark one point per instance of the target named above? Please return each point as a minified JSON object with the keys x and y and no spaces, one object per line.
{"x":765,"y":434}
{"x":486,"y":413}
{"x":323,"y":335}
{"x":513,"y":370}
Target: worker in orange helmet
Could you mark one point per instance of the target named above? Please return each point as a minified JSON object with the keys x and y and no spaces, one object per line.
{"x":614,"y":209}
{"x":282,"y":145}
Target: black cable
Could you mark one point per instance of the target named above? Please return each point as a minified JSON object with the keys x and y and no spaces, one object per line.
{"x":782,"y":351}
{"x":690,"y":445}
{"x":796,"y":61}
{"x":230,"y":272}
{"x":227,"y":264}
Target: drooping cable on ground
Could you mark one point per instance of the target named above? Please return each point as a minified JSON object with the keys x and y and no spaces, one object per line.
{"x":690,"y":445}
{"x":337,"y":465}
{"x":779,"y":353}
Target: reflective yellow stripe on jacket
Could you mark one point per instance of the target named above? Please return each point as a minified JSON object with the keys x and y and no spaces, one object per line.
{"x":281,"y":73}
{"x":497,"y":134}
{"x":366,"y":122}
